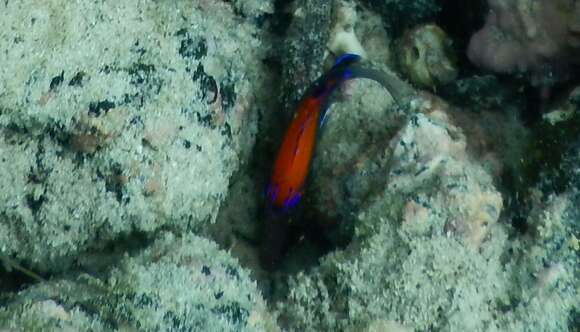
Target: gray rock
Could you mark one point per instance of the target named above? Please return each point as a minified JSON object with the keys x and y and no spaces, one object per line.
{"x":118,"y":117}
{"x":178,"y":283}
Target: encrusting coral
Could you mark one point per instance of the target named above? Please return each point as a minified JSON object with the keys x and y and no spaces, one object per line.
{"x":540,"y":36}
{"x":125,"y":129}
{"x":426,"y":56}
{"x":132,"y":121}
{"x":177,"y":284}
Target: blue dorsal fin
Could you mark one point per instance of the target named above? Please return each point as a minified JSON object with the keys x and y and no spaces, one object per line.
{"x":346,"y":59}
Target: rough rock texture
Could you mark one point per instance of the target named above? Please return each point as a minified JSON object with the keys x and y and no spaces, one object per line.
{"x":186,"y":283}
{"x":304,"y":50}
{"x":426,"y":56}
{"x":417,"y":282}
{"x":428,"y":157}
{"x":124,"y":126}
{"x":355,"y":131}
{"x":51,"y":307}
{"x":528,"y":35}
{"x":444,"y":190}
{"x":178,"y":284}
{"x":118,"y":117}
{"x":414,"y":253}
{"x":255,"y":9}
{"x":427,"y":252}
{"x":543,"y":294}
{"x":343,"y":38}
{"x":398,"y":15}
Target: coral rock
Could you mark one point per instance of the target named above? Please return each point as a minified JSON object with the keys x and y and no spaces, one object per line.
{"x":426,"y":56}
{"x":527,"y":35}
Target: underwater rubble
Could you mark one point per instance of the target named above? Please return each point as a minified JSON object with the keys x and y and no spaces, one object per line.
{"x":137,"y":140}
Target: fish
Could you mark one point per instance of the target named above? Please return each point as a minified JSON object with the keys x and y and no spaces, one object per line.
{"x":292,"y":162}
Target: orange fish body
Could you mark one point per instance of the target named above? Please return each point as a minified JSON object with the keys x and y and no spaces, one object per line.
{"x":293,"y":159}
{"x":292,"y":162}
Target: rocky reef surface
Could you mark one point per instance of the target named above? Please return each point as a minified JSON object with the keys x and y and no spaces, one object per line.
{"x":136,"y":139}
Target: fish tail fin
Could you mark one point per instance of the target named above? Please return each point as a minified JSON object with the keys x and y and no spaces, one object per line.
{"x":341,"y":72}
{"x":398,"y":88}
{"x":348,"y":66}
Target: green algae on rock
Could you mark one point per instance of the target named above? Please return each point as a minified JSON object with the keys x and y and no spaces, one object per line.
{"x":60,"y":305}
{"x":186,"y":283}
{"x":178,"y":283}
{"x":118,"y":117}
